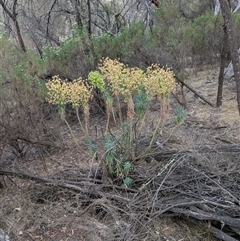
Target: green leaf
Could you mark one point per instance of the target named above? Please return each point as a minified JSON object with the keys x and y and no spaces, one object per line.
{"x":109,"y":142}
{"x":127,"y":166}
{"x":180,"y":114}
{"x":141,"y":101}
{"x":127,"y":181}
{"x":91,"y":145}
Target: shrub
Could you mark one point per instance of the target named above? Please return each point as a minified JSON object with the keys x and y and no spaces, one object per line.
{"x":23,"y":124}
{"x":204,"y":36}
{"x":119,"y":84}
{"x":125,"y":46}
{"x":187,"y":42}
{"x":72,"y":58}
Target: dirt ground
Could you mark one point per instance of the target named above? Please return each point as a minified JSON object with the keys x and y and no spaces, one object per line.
{"x":34,"y":211}
{"x":224,"y":120}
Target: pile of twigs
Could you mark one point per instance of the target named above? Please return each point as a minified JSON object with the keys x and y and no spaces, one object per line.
{"x":201,"y":184}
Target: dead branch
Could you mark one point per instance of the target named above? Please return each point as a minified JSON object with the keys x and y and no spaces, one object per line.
{"x":194,"y":91}
{"x":215,"y":231}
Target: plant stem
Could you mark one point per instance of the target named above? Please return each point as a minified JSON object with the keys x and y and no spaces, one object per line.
{"x":74,"y":138}
{"x":80,"y":122}
{"x":131,"y":138}
{"x":142,"y":121}
{"x":119,"y":108}
{"x":152,"y":139}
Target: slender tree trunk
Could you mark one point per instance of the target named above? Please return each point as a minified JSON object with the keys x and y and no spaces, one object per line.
{"x":233,"y":46}
{"x":77,"y":14}
{"x":20,"y":39}
{"x":89,"y":19}
{"x":222,"y":67}
{"x":13,"y":16}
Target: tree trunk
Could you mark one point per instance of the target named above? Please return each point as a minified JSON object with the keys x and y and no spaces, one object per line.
{"x":222,"y":67}
{"x":226,"y":12}
{"x":89,"y":19}
{"x":217,"y":7}
{"x":77,"y":14}
{"x":13,"y":16}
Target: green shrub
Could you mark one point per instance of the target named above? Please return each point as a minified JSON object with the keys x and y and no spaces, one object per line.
{"x":187,"y":42}
{"x":23,"y":125}
{"x":204,"y":34}
{"x":171,"y":41}
{"x":72,"y":58}
{"x":125,"y":46}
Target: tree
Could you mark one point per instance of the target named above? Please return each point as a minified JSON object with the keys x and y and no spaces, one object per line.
{"x":233,"y":45}
{"x":222,"y":67}
{"x":13,"y":16}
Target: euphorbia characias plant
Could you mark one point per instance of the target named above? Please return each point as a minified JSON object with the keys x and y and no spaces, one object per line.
{"x":116,"y":81}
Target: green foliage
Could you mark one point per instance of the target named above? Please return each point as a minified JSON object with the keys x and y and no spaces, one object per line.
{"x":127,"y":167}
{"x":110,"y":147}
{"x":167,"y":14}
{"x":180,"y":114}
{"x":117,"y":166}
{"x":70,"y":59}
{"x":141,"y":101}
{"x":22,"y":100}
{"x":91,"y":145}
{"x":204,"y":33}
{"x":127,"y":181}
{"x":18,"y":66}
{"x":171,"y":41}
{"x":123,"y":46}
{"x":183,"y":40}
{"x":96,"y":79}
{"x":105,"y":45}
{"x":20,"y":70}
{"x":130,"y":40}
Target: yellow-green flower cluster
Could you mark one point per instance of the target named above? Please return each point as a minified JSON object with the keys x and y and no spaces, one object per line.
{"x":121,"y":79}
{"x":79,"y":92}
{"x":116,"y":79}
{"x":96,"y":79}
{"x":113,"y":72}
{"x":159,"y":81}
{"x":57,"y":91}
{"x":136,"y":78}
{"x":62,"y":92}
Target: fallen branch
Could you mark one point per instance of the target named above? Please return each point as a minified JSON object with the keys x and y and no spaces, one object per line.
{"x":215,"y":231}
{"x":192,"y":90}
{"x":202,"y":215}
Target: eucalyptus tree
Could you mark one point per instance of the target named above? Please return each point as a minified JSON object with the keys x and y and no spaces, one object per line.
{"x":233,"y":44}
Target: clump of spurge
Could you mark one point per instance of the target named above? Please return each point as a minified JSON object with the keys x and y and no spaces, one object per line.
{"x":119,"y":84}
